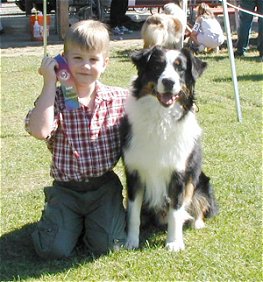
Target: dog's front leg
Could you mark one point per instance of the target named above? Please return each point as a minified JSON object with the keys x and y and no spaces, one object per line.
{"x":134,"y":212}
{"x":176,"y":220}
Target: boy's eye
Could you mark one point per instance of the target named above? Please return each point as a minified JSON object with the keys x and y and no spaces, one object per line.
{"x":94,"y":59}
{"x":77,"y":58}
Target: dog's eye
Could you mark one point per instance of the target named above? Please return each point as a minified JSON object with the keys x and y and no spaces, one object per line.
{"x":157,"y":67}
{"x":178,"y":65}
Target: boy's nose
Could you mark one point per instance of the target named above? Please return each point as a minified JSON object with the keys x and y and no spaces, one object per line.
{"x":86,"y":64}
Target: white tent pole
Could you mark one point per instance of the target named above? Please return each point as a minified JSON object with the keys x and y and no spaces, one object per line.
{"x":232,"y":60}
{"x":185,"y":12}
{"x":45,"y":26}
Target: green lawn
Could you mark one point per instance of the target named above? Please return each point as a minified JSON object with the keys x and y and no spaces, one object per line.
{"x":229,"y":248}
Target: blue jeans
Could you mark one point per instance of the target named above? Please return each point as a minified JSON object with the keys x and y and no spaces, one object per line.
{"x":245,"y":22}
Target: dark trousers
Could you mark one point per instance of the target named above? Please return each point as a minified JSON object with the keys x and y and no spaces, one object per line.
{"x":117,"y":12}
{"x":245,"y":22}
{"x":91,"y":209}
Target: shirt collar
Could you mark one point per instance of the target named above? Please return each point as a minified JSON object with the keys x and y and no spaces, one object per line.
{"x":102,"y":92}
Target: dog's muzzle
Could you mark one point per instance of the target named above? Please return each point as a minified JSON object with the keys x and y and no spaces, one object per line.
{"x":167,"y":97}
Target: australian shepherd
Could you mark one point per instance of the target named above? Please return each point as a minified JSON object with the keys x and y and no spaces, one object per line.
{"x":162,"y":148}
{"x":165,"y":29}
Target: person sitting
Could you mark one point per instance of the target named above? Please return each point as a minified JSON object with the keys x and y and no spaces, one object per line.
{"x":206,"y":32}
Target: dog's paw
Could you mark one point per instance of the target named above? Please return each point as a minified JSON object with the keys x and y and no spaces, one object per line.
{"x":175,"y":246}
{"x":199,"y":224}
{"x":132,"y":243}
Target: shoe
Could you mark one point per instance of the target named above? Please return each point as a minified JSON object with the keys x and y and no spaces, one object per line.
{"x":117,"y":31}
{"x":125,"y":29}
{"x":239,"y":54}
{"x":201,"y":48}
{"x":194,"y":48}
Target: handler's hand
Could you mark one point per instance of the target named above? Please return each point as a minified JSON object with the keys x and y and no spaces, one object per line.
{"x":47,"y":69}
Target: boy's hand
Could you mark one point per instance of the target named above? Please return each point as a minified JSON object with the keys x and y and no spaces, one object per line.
{"x":47,"y":69}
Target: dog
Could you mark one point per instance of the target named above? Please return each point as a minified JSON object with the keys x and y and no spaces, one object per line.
{"x":161,"y":145}
{"x":165,"y":29}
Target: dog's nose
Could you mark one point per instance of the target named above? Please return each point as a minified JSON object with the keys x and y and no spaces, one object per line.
{"x":168,"y":83}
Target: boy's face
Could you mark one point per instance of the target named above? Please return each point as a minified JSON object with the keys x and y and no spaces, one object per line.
{"x":85,"y":66}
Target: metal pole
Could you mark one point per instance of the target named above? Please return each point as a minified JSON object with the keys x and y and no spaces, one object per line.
{"x":185,"y":12}
{"x":232,"y":60}
{"x":45,"y":26}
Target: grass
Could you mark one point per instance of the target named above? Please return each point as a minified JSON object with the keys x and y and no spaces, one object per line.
{"x":229,"y":248}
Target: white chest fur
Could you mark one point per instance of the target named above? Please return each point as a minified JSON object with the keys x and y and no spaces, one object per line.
{"x":160,"y":144}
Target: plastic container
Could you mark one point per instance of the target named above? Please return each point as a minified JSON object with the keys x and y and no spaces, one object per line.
{"x":37,"y":26}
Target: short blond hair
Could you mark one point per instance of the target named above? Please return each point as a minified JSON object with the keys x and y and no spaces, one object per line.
{"x":90,"y":35}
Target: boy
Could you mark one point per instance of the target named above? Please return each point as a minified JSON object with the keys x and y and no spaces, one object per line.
{"x":86,"y":196}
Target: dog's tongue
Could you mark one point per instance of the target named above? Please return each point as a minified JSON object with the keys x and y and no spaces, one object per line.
{"x":167,"y":99}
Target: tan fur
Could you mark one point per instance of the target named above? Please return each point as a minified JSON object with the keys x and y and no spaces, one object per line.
{"x":188,"y":193}
{"x":165,"y":30}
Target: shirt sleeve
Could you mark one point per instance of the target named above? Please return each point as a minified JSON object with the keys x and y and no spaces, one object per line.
{"x":196,"y":27}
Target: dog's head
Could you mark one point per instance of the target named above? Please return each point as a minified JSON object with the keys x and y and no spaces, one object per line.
{"x":168,"y":75}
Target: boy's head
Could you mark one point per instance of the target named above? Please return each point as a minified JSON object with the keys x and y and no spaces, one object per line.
{"x":89,"y":35}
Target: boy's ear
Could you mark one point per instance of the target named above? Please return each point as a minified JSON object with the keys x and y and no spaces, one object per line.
{"x":106,"y":62}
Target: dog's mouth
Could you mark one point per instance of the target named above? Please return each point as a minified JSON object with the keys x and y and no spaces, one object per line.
{"x":167,"y":99}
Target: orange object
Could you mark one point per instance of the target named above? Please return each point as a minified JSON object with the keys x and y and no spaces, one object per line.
{"x":37,"y":26}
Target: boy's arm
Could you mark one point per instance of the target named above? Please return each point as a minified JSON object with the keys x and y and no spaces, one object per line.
{"x":41,"y":118}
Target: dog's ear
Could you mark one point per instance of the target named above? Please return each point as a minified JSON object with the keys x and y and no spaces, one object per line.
{"x":196,"y":65}
{"x":178,"y":27}
{"x":140,"y":58}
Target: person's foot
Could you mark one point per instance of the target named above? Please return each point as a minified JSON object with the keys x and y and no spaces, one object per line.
{"x":194,"y":48}
{"x":125,"y":29}
{"x":239,"y":54}
{"x":260,"y":58}
{"x":116,"y":30}
{"x":201,"y":48}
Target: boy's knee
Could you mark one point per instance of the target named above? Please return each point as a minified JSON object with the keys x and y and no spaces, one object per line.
{"x":104,"y":243}
{"x":47,"y":243}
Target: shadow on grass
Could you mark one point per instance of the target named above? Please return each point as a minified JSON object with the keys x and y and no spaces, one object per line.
{"x":124,"y":55}
{"x":247,"y":77}
{"x":19,"y":260}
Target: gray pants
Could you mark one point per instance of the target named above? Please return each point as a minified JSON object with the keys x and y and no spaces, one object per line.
{"x":96,"y":212}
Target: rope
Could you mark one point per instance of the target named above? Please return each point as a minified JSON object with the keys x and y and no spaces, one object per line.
{"x":243,"y":10}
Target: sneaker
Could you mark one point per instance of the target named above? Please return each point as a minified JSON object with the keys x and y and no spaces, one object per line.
{"x":125,"y":29}
{"x":201,"y":48}
{"x":193,"y":47}
{"x":117,"y":31}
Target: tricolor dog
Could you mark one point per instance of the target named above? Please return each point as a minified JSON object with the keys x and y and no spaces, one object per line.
{"x":162,"y":147}
{"x":165,"y":29}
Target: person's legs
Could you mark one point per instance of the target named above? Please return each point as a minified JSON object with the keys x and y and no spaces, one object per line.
{"x":260,"y":27}
{"x":60,"y":226}
{"x":245,"y":22}
{"x":105,"y":222}
{"x":118,"y":10}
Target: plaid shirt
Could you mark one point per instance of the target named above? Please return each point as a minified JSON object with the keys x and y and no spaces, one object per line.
{"x":83,"y":143}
